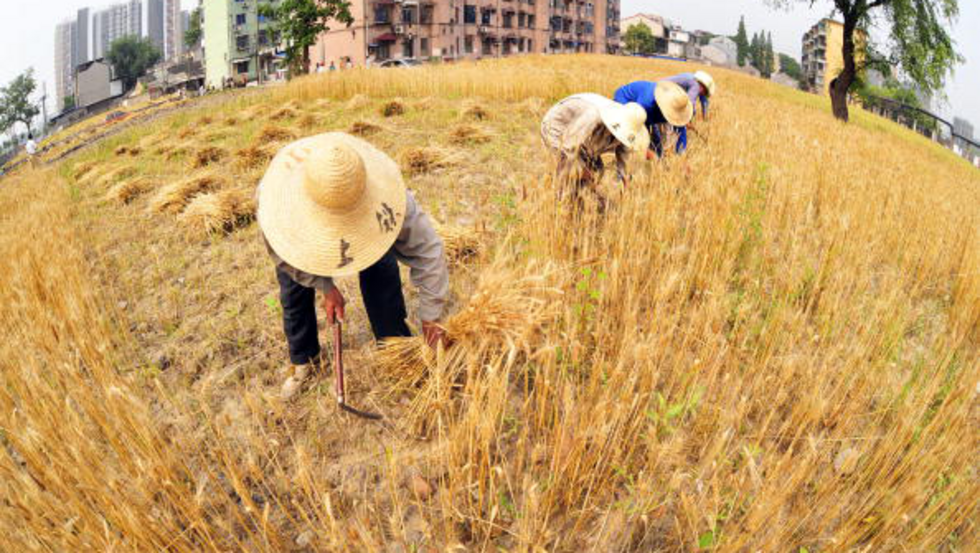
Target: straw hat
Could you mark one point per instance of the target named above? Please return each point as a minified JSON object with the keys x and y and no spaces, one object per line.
{"x":626,"y":122}
{"x":706,"y":80}
{"x":331,"y":204}
{"x":673,"y":103}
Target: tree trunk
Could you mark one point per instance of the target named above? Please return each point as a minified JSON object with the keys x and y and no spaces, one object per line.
{"x":842,"y":83}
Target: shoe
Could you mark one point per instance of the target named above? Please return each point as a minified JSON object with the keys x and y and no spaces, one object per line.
{"x":300,"y":375}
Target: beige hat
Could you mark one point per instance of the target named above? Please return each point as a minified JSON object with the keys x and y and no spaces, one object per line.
{"x":626,"y":122}
{"x":706,"y":80}
{"x":673,"y":103}
{"x":331,"y":204}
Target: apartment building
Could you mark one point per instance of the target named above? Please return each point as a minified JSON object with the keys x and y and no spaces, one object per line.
{"x":114,"y":22}
{"x":468,"y":29}
{"x":239,"y":45}
{"x":64,"y":62}
{"x":822,"y":57}
{"x":173,"y":38}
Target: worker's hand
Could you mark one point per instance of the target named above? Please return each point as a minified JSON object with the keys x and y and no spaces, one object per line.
{"x":333,"y":305}
{"x":434,"y":334}
{"x":650,"y":155}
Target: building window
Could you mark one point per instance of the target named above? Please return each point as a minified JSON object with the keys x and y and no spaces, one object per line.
{"x":424,"y":47}
{"x":530,"y":21}
{"x":508,"y":20}
{"x":425,"y":17}
{"x":486,"y":16}
{"x":521,"y":19}
{"x":240,"y":19}
{"x":468,"y":44}
{"x":408,"y":48}
{"x":241,"y":41}
{"x":381,"y":14}
{"x":469,"y":15}
{"x":408,"y":16}
{"x":263,"y":37}
{"x":241,"y":67}
{"x":530,"y":45}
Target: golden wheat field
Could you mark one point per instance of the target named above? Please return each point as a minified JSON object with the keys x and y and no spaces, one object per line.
{"x":771,"y":343}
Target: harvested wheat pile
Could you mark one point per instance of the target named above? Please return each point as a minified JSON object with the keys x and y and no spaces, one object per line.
{"x":358,"y":101}
{"x":187,"y":132}
{"x":221,"y":211}
{"x":363,"y":128}
{"x":273,"y":133}
{"x":83,"y":168}
{"x":422,"y":104}
{"x":207,"y":156}
{"x":418,"y":161}
{"x":309,"y":121}
{"x":113,"y":176}
{"x":135,"y":151}
{"x":121,"y":150}
{"x":174,"y":197}
{"x":460,"y":243}
{"x":467,"y":134}
{"x":282,"y":114}
{"x":205,"y":120}
{"x":251,"y":157}
{"x":214,"y":136}
{"x":393,"y":108}
{"x":128,"y":190}
{"x":322,"y":103}
{"x":476,"y":112}
{"x":230,"y":121}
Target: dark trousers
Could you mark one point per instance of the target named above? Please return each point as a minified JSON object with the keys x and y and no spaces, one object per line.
{"x":381,"y":289}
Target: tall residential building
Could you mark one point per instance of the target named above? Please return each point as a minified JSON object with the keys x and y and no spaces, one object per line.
{"x":155,"y":23}
{"x":238,"y":44}
{"x":183,"y":23}
{"x":456,"y":29}
{"x":114,"y":22}
{"x":823,"y":59}
{"x":82,"y":51}
{"x":64,"y":62}
{"x":171,"y":29}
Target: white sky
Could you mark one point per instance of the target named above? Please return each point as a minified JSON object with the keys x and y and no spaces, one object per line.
{"x":27,"y":35}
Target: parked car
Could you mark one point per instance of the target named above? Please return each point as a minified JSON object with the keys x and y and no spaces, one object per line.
{"x":401,"y":62}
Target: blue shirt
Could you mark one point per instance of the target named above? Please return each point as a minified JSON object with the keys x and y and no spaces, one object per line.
{"x":642,"y":92}
{"x":693,"y":88}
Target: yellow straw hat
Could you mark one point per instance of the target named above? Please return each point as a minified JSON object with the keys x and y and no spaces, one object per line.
{"x":673,"y":103}
{"x":705,"y":79}
{"x":331,"y":204}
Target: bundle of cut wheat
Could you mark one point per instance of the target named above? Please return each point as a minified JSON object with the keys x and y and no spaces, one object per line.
{"x":358,"y":101}
{"x":230,"y":121}
{"x":363,"y":128}
{"x":207,"y":156}
{"x":283,"y":113}
{"x":121,"y":150}
{"x":187,"y":132}
{"x":83,"y":168}
{"x":460,"y":243}
{"x":418,"y":161}
{"x":174,"y":197}
{"x":466,"y":134}
{"x":475,"y":111}
{"x":309,"y":121}
{"x":218,"y":211}
{"x":112,"y":176}
{"x":251,"y":157}
{"x":127,"y":190}
{"x":205,"y":120}
{"x":393,"y":108}
{"x":273,"y":133}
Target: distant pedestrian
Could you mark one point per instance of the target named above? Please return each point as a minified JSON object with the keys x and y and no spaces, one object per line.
{"x":348,"y":64}
{"x":31,"y":148}
{"x":583,"y":127}
{"x":700,"y":87}
{"x":333,"y":66}
{"x":665,"y":103}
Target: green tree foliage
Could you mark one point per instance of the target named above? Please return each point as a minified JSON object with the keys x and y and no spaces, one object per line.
{"x":893,"y":89}
{"x":769,"y":57}
{"x":742,"y":42}
{"x":15,"y":102}
{"x":791,"y":67}
{"x":919,"y":41}
{"x":194,"y":32}
{"x":639,"y":39}
{"x":299,"y":22}
{"x":131,"y":56}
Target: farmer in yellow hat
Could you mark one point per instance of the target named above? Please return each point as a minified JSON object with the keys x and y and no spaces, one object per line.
{"x":582,"y":127}
{"x":700,"y":88}
{"x":665,"y":103}
{"x":333,"y":205}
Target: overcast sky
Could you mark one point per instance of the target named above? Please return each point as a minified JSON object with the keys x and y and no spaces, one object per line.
{"x":27,"y":34}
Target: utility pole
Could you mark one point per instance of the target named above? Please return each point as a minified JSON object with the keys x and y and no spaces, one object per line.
{"x":44,"y":107}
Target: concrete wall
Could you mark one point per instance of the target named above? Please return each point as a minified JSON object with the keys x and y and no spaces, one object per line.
{"x":217,"y":42}
{"x":92,"y":84}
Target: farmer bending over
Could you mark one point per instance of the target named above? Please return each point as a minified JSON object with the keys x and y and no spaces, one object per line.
{"x":333,"y":205}
{"x":699,"y":86}
{"x":665,"y":103}
{"x":580,"y":128}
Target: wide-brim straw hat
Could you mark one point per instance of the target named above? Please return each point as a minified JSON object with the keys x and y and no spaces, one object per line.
{"x":673,"y":103}
{"x":626,"y":122}
{"x":331,"y":204}
{"x":706,"y":80}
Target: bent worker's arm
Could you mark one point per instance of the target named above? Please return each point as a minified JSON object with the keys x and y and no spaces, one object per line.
{"x":656,"y":141}
{"x":704,"y":106}
{"x":420,"y":247}
{"x":621,"y":155}
{"x":681,"y":139}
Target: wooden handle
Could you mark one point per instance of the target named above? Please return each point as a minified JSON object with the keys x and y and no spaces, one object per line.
{"x":338,"y":360}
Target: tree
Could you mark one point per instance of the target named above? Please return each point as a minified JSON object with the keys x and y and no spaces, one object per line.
{"x":769,"y":57}
{"x":742,"y":42}
{"x":131,"y":56}
{"x":791,"y":67}
{"x":639,"y":39}
{"x":299,"y":22}
{"x":755,"y":51}
{"x":919,"y":41}
{"x":194,"y":32}
{"x":15,"y":101}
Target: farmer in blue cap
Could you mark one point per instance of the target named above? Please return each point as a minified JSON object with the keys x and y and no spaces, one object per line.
{"x":665,"y":103}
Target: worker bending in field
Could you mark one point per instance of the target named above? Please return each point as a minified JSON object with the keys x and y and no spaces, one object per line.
{"x":333,"y":205}
{"x":664,"y":103}
{"x":580,"y":128}
{"x":700,"y":87}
